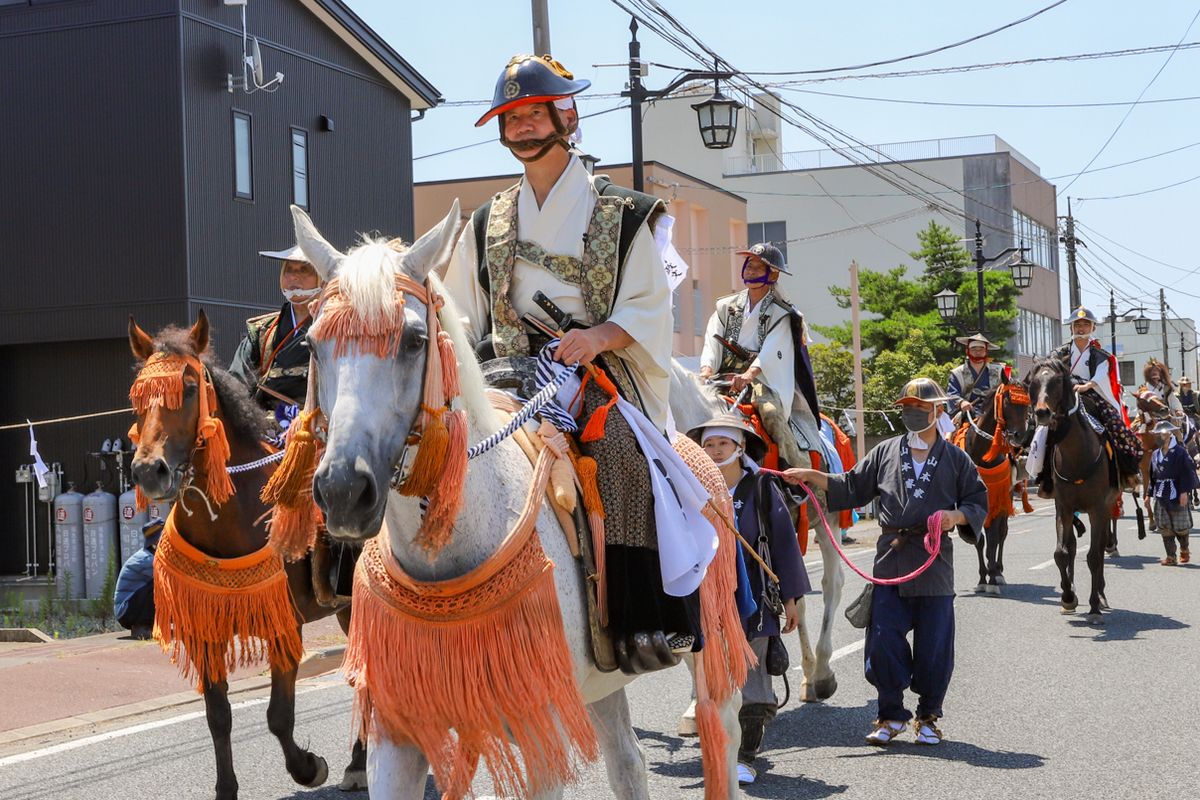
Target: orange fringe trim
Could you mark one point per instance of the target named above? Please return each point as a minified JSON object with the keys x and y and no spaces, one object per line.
{"x":585,"y":468}
{"x":595,"y":425}
{"x":340,"y":322}
{"x":203,"y":604}
{"x":485,"y":672}
{"x":727,"y":654}
{"x":295,"y":518}
{"x":997,"y":479}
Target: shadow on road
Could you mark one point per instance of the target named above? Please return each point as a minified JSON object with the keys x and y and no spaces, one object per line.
{"x":1120,"y":625}
{"x":1022,"y":592}
{"x":1131,"y":562}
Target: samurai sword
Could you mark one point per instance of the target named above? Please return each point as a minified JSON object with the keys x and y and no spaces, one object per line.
{"x":735,"y":348}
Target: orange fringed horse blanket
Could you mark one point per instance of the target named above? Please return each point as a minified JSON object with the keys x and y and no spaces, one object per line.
{"x":997,"y":479}
{"x":475,"y":667}
{"x":202,"y":604}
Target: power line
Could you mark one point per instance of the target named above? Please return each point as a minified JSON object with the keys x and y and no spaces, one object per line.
{"x":1136,"y":51}
{"x":921,"y":54}
{"x":1111,"y":241}
{"x":1129,"y":110}
{"x":1144,"y":191}
{"x":949,"y":104}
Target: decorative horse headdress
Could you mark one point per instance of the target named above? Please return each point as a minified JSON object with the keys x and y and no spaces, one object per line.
{"x":160,"y":383}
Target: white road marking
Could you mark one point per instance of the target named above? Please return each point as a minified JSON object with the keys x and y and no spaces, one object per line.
{"x":1042,"y":565}
{"x":75,"y":744}
{"x":853,"y":647}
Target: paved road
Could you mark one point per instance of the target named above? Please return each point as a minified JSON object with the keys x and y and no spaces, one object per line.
{"x":1042,"y":706}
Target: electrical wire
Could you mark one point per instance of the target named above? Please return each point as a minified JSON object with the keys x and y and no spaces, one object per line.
{"x":917,"y":73}
{"x":493,"y":139}
{"x":1129,"y":110}
{"x":1094,"y":232}
{"x":1144,"y":191}
{"x":949,"y":104}
{"x":921,"y":54}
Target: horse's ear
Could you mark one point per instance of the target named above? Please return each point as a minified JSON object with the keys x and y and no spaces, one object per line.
{"x":140,"y":342}
{"x":432,"y":251}
{"x":199,"y":334}
{"x":323,"y":256}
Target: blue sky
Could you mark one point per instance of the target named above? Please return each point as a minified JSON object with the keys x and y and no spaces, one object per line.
{"x":462,"y":47}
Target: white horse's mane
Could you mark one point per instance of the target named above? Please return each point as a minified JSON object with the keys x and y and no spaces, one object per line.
{"x":367,"y":277}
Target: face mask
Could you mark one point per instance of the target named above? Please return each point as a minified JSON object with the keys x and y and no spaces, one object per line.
{"x":301,"y":295}
{"x":737,"y":453}
{"x":916,"y":420}
{"x":761,"y":280}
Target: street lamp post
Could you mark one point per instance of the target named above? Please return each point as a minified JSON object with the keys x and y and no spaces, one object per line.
{"x":1184,"y":349}
{"x":1141,"y":323}
{"x":1022,"y":270}
{"x":716,"y":116}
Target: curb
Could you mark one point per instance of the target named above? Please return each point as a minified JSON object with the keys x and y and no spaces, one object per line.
{"x":314,"y":663}
{"x":24,"y":635}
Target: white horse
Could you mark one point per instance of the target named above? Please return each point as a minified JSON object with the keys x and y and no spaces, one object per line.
{"x":371,"y":404}
{"x":692,"y":406}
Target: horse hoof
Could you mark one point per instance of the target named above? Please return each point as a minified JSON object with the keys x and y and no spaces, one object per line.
{"x":321,"y":776}
{"x":1112,"y":552}
{"x":1068,"y":609}
{"x":1000,"y":581}
{"x":981,"y":588}
{"x":825,"y":687}
{"x":991,"y":588}
{"x":1095,"y":618}
{"x":353,"y":780}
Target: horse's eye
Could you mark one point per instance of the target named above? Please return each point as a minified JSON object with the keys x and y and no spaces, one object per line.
{"x":189,"y":389}
{"x":415,"y":343}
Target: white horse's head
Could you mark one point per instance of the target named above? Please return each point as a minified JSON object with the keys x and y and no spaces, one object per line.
{"x":370,"y":343}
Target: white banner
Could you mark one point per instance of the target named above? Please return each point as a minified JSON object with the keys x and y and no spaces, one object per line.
{"x":673,"y":263}
{"x":39,"y":467}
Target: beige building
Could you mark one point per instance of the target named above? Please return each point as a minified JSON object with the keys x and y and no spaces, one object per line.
{"x":825,"y":209}
{"x":710,"y":223}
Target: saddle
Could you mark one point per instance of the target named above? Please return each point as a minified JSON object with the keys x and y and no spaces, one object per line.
{"x":517,"y":375}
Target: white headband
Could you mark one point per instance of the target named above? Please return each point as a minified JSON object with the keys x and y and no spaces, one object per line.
{"x":729,"y":433}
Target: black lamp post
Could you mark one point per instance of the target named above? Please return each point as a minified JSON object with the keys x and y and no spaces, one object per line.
{"x":1021,"y":270}
{"x":717,"y":116}
{"x":1141,"y":323}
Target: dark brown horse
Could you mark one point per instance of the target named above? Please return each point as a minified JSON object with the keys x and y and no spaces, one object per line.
{"x":1151,"y":409}
{"x":1011,"y":408}
{"x":163,"y":468}
{"x":1083,"y":478}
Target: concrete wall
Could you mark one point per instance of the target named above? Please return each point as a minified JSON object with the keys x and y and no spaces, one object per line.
{"x":709,"y":225}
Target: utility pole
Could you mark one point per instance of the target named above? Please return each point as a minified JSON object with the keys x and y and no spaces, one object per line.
{"x":1068,"y":239}
{"x":1162,"y":308}
{"x":860,"y":444}
{"x":636,"y":93}
{"x":541,"y":28}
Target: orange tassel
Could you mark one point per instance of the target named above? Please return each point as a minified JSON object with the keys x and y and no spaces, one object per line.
{"x":585,"y":468}
{"x":295,"y":472}
{"x":802,"y":528}
{"x":149,"y":390}
{"x":595,"y":426}
{"x":140,"y":500}
{"x":714,"y":740}
{"x":293,"y":529}
{"x":445,"y":501}
{"x":1025,"y":504}
{"x":449,"y":365}
{"x":426,"y":471}
{"x":219,"y":487}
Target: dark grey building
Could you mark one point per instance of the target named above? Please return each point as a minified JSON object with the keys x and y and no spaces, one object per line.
{"x":133,"y":181}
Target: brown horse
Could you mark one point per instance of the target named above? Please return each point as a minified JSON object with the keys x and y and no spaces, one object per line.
{"x":990,"y":441}
{"x":1083,"y":478}
{"x":165,"y":467}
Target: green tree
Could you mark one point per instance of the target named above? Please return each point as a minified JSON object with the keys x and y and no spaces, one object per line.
{"x":833,"y":371}
{"x":902,"y":333}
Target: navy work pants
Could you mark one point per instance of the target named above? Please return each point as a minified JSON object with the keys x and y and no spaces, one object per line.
{"x":892,"y":666}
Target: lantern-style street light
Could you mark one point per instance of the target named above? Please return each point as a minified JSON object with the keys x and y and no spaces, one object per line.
{"x":717,"y":116}
{"x":947,"y":304}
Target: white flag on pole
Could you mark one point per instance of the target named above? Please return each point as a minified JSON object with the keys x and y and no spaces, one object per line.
{"x":39,"y":467}
{"x":674,"y":264}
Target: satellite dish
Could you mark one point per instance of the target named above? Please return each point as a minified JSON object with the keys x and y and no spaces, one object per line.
{"x":255,"y":59}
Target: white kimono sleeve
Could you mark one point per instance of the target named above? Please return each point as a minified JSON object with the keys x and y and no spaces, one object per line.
{"x":462,"y":284}
{"x":642,"y":309}
{"x":777,"y":360}
{"x":710,"y":356}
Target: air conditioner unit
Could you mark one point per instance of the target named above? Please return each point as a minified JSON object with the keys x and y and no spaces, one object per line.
{"x":235,"y":2}
{"x":764,"y":119}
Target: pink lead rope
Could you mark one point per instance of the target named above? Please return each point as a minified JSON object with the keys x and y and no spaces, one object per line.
{"x":933,"y":540}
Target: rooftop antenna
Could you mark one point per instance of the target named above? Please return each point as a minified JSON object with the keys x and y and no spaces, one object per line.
{"x":251,"y":79}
